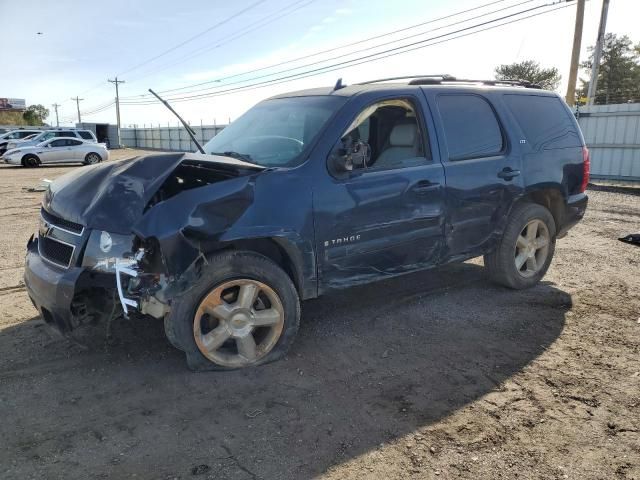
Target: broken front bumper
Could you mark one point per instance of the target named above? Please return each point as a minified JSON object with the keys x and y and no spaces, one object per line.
{"x":51,"y":290}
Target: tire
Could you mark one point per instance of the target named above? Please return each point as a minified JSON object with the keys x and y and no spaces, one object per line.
{"x":31,"y":161}
{"x":214,"y":313}
{"x":528,"y":226}
{"x":92,"y":158}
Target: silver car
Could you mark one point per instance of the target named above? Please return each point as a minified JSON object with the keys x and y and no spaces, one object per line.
{"x":87,"y":135}
{"x":58,"y":150}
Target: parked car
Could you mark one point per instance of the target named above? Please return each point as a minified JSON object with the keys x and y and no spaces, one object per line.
{"x":14,"y":135}
{"x":57,"y":150}
{"x":85,"y":135}
{"x":309,"y":192}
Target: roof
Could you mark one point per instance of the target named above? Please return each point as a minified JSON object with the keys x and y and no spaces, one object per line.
{"x":425,"y":81}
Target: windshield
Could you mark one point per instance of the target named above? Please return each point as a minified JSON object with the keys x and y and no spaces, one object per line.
{"x":275,"y":132}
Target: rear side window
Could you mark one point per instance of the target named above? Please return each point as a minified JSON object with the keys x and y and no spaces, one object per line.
{"x":58,"y":143}
{"x":24,"y":134}
{"x":86,"y":135}
{"x":544,"y":121}
{"x":470,"y":126}
{"x":73,"y":143}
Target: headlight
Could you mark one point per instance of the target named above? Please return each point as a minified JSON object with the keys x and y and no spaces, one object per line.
{"x":104,"y":248}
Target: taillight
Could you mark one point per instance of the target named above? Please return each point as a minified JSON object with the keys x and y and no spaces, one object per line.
{"x":586,"y":165}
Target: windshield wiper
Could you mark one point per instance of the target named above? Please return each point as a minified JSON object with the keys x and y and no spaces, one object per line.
{"x":190,"y":130}
{"x":240,"y":156}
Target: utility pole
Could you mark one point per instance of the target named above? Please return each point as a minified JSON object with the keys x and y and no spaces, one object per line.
{"x":597,"y":53}
{"x":116,"y":82}
{"x":55,"y":106}
{"x":575,"y":55}
{"x":78,"y":100}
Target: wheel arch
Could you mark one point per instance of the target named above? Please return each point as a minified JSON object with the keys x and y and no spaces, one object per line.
{"x":283,"y":252}
{"x":550,"y":198}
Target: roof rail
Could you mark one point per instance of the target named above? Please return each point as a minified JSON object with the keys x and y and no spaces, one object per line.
{"x":445,"y":78}
{"x":407,"y":77}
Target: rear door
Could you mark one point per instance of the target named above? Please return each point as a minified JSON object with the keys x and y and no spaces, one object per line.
{"x":482,"y":163}
{"x":75,"y":151}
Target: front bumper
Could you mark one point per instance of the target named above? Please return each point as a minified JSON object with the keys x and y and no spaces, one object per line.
{"x":574,"y":211}
{"x":51,"y":290}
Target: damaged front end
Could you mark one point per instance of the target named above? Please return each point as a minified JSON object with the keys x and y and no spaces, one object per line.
{"x":125,"y":238}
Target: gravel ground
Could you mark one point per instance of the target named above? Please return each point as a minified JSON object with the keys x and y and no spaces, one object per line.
{"x":433,"y":375}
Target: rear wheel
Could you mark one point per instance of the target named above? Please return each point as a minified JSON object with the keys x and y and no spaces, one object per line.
{"x":244,"y":311}
{"x":92,"y":158}
{"x":526,"y":249}
{"x":30,"y":161}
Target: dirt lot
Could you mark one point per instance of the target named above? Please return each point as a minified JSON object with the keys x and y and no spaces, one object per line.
{"x":435,"y":375}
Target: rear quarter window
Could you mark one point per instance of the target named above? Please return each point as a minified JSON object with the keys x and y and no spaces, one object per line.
{"x":544,"y":121}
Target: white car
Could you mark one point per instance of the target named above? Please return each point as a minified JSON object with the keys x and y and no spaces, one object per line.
{"x":58,"y":150}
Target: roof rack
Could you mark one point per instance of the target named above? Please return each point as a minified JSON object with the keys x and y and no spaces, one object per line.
{"x":439,"y":79}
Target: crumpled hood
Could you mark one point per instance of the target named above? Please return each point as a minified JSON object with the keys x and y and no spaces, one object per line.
{"x":113,"y":195}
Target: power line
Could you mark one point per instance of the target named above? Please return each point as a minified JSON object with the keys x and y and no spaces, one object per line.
{"x":198,"y":35}
{"x":367,"y":58}
{"x":367,"y":49}
{"x":252,"y":27}
{"x":341,"y":47}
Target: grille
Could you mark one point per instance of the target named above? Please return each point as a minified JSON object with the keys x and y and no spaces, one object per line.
{"x":55,"y":251}
{"x":72,"y":227}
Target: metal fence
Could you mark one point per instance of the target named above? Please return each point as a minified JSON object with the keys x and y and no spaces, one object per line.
{"x":612,"y":133}
{"x":167,"y":138}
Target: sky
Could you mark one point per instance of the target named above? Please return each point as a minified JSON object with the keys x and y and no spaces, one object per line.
{"x":56,"y":50}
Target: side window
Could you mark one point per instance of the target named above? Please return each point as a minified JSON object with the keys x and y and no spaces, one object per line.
{"x":73,"y":143}
{"x":86,"y":135}
{"x":544,"y":121}
{"x":47,"y":136}
{"x":470,"y":126}
{"x":66,"y":134}
{"x":23,"y":134}
{"x":58,"y":143}
{"x":393,"y":132}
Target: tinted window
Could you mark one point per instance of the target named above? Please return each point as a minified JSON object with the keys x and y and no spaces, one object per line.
{"x":544,"y":121}
{"x":65,"y":134}
{"x":58,"y":143}
{"x":73,"y":143}
{"x":86,"y":135}
{"x":24,"y":134}
{"x":470,"y":126}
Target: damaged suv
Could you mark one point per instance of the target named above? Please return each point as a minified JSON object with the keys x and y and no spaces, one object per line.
{"x":305,"y":193}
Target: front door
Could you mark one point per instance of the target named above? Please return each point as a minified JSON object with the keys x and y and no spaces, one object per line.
{"x":54,"y":151}
{"x":386,"y":217}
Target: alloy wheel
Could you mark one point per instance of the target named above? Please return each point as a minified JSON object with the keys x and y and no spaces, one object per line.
{"x":238,"y":323}
{"x":532,"y":248}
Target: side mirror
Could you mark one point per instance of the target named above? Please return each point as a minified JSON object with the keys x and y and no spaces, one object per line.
{"x":349,"y":155}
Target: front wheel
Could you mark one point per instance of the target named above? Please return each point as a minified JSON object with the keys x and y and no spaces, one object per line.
{"x":243,"y":311}
{"x":30,"y":161}
{"x":526,"y":249}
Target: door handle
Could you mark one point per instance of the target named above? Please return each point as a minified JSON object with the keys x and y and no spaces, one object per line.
{"x":508,"y":173}
{"x":424,"y":186}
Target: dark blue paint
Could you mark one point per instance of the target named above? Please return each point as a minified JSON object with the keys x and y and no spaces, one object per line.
{"x":336,"y":230}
